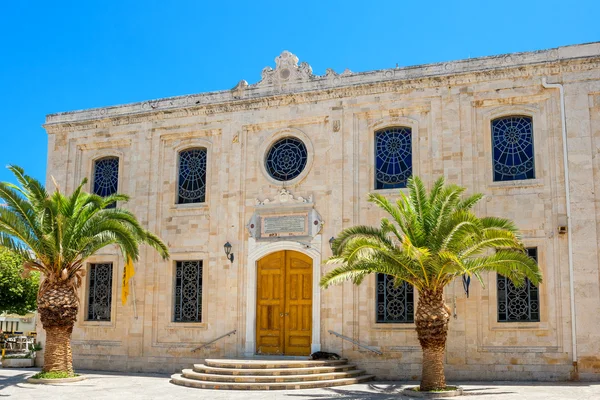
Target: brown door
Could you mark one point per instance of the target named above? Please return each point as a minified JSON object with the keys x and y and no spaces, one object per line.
{"x":284,"y":304}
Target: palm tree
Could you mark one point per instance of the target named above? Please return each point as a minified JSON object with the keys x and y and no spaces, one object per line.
{"x":430,"y":240}
{"x":55,"y":234}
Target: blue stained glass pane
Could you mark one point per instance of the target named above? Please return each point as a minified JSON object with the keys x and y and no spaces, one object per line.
{"x":106,"y":177}
{"x":286,"y":159}
{"x":192,"y":176}
{"x":512,"y":142}
{"x":393,"y":157}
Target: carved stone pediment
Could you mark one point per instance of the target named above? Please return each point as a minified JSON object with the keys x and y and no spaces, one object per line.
{"x":286,"y":71}
{"x":284,"y":216}
{"x":284,"y":197}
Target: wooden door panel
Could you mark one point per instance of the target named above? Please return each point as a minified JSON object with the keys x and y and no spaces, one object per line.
{"x":270,"y":304}
{"x":284,"y":304}
{"x":298,"y":305}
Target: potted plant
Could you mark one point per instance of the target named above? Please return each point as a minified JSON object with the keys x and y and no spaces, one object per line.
{"x":22,"y":360}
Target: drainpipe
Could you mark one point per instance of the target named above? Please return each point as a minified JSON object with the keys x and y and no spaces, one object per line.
{"x":568,"y":201}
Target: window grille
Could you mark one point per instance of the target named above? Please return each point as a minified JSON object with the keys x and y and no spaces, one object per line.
{"x":393,"y":157}
{"x":106,"y":177}
{"x":518,"y":304}
{"x":100,"y":292}
{"x":512,"y":140}
{"x":286,"y":159}
{"x":192,"y":176}
{"x":394,"y":304}
{"x":188,"y":291}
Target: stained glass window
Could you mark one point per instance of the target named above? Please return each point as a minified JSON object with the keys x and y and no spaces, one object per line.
{"x":188,"y":291}
{"x":106,"y":177}
{"x":192,"y":176}
{"x":518,"y":304}
{"x":100,"y":292}
{"x":394,"y":304}
{"x":393,"y":157}
{"x":286,"y":159}
{"x":512,"y":140}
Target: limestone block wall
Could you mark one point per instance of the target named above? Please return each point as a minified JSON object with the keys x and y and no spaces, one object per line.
{"x":448,"y":107}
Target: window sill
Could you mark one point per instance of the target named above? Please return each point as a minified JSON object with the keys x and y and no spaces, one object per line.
{"x":187,"y":206}
{"x":189,"y":209}
{"x":395,"y":191}
{"x":93,"y":323}
{"x":523,"y":183}
{"x":409,"y":326}
{"x":519,"y":326}
{"x":184,"y":325}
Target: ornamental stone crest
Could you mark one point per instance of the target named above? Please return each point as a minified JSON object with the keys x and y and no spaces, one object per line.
{"x":286,"y":71}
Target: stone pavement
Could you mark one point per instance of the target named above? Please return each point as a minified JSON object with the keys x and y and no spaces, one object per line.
{"x":106,"y":385}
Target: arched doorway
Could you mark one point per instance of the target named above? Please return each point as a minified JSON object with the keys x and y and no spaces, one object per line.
{"x":284,"y":303}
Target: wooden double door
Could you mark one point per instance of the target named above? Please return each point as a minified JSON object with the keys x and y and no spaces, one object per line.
{"x":284,"y":304}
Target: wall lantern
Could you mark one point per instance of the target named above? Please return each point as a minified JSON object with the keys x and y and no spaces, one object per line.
{"x":228,"y":252}
{"x":331,"y":243}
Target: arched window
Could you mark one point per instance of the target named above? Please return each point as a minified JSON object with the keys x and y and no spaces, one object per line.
{"x":512,"y":144}
{"x":393,"y":157}
{"x":106,"y":177}
{"x":192,"y":176}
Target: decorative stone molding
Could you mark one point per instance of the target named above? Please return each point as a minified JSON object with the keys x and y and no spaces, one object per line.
{"x":105,"y":144}
{"x":300,"y":85}
{"x":285,"y":216}
{"x":239,"y":90}
{"x":284,"y":197}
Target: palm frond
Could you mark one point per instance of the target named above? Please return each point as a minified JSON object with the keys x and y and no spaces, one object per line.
{"x":60,"y":231}
{"x":468,"y":203}
{"x":430,"y":239}
{"x":418,"y":198}
{"x":514,"y":265}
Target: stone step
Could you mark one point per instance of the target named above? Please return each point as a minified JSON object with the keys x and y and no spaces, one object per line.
{"x":263,"y":364}
{"x":178,"y":379}
{"x":201,"y":368}
{"x":191,"y":374}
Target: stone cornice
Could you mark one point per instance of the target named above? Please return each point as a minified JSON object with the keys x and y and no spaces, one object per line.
{"x":273,"y":91}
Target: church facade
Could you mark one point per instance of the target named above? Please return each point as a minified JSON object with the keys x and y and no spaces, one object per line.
{"x":248,"y":185}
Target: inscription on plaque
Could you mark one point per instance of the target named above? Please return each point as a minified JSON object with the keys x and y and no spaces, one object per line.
{"x":284,"y":225}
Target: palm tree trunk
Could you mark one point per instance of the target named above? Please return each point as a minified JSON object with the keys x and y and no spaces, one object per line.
{"x":57,"y":305}
{"x":58,"y":356}
{"x":432,"y":329}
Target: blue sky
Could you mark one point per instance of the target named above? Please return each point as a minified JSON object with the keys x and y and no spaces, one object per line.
{"x":70,"y":55}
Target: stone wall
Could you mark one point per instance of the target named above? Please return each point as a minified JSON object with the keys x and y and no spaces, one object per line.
{"x":449,"y":107}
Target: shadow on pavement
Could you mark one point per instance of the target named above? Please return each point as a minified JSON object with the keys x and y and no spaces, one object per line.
{"x":379,"y":391}
{"x":13,"y":380}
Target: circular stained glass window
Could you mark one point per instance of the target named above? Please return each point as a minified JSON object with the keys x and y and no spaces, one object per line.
{"x":286,"y":159}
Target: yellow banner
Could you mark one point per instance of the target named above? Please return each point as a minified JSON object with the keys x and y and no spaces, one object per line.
{"x":128,"y":273}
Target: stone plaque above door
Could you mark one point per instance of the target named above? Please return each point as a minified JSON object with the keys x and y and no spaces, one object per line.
{"x":285,"y":216}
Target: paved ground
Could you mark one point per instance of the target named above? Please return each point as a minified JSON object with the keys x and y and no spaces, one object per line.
{"x":103,"y":385}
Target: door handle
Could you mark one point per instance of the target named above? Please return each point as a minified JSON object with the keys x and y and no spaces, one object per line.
{"x":284,"y":314}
